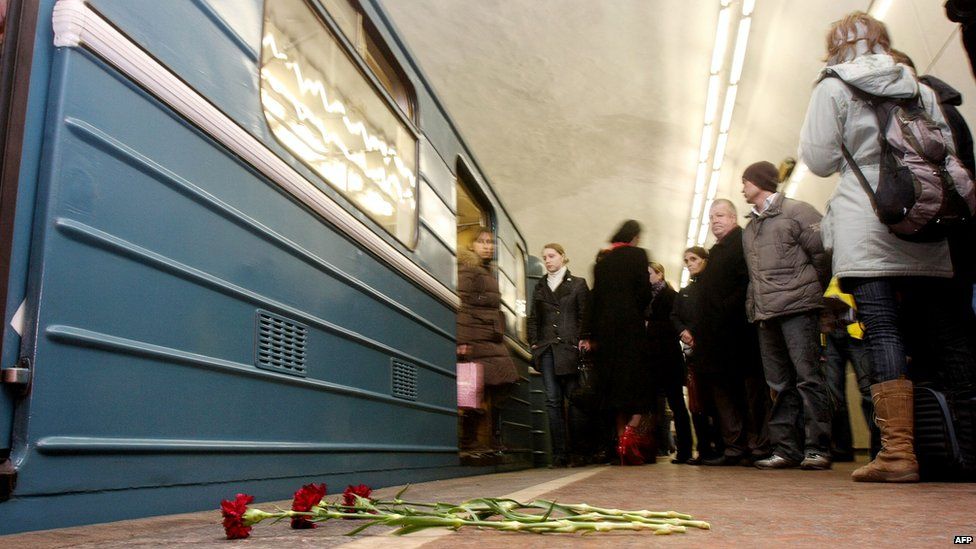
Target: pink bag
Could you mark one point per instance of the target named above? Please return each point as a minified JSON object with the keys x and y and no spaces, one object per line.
{"x":470,"y":385}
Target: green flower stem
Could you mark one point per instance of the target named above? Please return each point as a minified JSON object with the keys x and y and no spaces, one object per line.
{"x":584,"y":508}
{"x":412,"y":516}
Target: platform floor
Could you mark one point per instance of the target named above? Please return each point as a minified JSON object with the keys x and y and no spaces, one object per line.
{"x":746,"y":508}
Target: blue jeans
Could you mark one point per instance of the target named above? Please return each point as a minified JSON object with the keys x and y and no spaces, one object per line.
{"x":558,"y":389}
{"x":791,"y":359}
{"x":925,"y":308}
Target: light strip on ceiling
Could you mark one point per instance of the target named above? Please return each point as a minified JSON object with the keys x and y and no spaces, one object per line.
{"x":721,"y":40}
{"x":728,"y":109}
{"x":739,"y":57}
{"x":702,"y":199}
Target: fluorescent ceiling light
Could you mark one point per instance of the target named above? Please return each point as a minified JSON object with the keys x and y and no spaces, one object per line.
{"x":712,"y":187}
{"x":879,"y":9}
{"x":721,"y":39}
{"x":706,"y":143}
{"x":747,"y":6}
{"x":711,"y":101}
{"x":739,"y":57}
{"x":700,"y":178}
{"x":703,"y":232}
{"x":723,"y":138}
{"x":727,"y":110}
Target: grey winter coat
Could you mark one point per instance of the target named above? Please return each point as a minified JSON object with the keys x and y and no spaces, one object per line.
{"x":556,"y":321}
{"x":787,"y":264}
{"x":861,"y":245}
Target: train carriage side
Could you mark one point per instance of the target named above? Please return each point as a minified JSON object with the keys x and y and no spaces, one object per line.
{"x":235,"y":280}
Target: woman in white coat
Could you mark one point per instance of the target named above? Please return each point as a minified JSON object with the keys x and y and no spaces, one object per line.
{"x":872,"y":263}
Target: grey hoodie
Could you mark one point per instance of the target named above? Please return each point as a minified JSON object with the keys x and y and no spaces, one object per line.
{"x":861,"y":245}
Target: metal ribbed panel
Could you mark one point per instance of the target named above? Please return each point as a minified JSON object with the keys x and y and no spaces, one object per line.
{"x":280,"y":344}
{"x":404,"y":380}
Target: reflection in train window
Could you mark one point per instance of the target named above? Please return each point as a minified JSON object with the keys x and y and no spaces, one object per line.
{"x":520,"y":298}
{"x":325,"y":111}
{"x":365,"y":38}
{"x":471,"y":213}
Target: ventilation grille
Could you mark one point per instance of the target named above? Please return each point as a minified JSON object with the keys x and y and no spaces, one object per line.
{"x":404,"y":380}
{"x":280,"y":344}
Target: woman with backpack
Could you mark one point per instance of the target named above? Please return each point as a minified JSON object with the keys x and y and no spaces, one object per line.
{"x":841,"y":134}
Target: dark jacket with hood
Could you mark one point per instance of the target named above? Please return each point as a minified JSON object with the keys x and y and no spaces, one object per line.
{"x":480,"y":323}
{"x":556,"y":321}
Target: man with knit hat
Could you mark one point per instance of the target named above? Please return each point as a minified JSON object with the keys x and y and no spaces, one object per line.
{"x":788,"y":270}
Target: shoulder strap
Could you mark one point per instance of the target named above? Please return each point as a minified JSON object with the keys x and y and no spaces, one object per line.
{"x":860,"y":177}
{"x":882,"y":117}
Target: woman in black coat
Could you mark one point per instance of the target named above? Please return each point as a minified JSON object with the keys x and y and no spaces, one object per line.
{"x":621,"y":293}
{"x":666,"y":359}
{"x":555,"y":334}
{"x":685,"y":318}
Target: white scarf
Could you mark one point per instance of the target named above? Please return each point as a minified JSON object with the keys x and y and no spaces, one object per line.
{"x":556,"y":278}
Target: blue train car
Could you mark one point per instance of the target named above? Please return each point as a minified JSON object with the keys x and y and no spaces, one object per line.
{"x":229,"y":236}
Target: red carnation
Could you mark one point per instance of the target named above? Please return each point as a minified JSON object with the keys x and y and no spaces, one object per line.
{"x":233,"y":512}
{"x":306,"y":497}
{"x":349,"y":496}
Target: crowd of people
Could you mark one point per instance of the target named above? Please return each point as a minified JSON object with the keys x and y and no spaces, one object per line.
{"x":773,"y":312}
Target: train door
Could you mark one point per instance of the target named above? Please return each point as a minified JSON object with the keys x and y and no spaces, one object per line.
{"x":17,"y":22}
{"x":472,"y":213}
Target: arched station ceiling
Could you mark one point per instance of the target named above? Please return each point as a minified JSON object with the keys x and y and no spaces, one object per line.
{"x":583,"y":113}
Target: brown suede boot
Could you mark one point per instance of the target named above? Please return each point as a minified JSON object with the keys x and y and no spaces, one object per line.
{"x":894,"y":406}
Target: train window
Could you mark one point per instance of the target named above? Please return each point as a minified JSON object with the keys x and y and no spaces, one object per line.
{"x":322,"y":108}
{"x":470,"y":215}
{"x":364,"y":37}
{"x":520,"y":298}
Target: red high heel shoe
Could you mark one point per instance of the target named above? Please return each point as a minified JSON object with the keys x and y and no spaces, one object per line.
{"x":628,"y":447}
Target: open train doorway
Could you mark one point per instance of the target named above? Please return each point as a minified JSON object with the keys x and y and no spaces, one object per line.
{"x":476,"y":428}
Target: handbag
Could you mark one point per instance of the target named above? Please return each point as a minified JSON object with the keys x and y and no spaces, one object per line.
{"x":585,"y":395}
{"x":470,"y":385}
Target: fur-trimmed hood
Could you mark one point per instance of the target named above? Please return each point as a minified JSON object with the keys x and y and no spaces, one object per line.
{"x":467,"y":258}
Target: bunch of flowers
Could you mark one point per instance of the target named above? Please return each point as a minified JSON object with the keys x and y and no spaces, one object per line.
{"x":539,"y":516}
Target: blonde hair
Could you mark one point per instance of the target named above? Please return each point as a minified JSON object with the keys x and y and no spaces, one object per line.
{"x":558,"y":249}
{"x":843,"y":36}
{"x":658,"y":268}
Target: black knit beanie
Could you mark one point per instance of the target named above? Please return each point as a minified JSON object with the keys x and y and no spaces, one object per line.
{"x":763,"y":175}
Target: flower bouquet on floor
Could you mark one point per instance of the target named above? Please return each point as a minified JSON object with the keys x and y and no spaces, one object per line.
{"x":309,"y":508}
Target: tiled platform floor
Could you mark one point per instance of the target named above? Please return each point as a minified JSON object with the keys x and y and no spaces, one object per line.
{"x":746,"y":507}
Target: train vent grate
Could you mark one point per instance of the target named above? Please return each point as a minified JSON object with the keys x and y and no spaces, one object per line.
{"x":404,"y":378}
{"x":280,"y":344}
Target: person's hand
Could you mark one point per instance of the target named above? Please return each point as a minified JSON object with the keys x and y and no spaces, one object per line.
{"x":687,"y":339}
{"x":584,"y":345}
